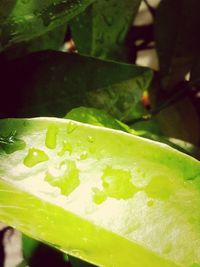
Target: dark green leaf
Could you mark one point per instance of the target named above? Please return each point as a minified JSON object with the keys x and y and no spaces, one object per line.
{"x":102,"y":29}
{"x":52,"y":83}
{"x":22,"y":20}
{"x":53,"y":39}
{"x":177,"y":38}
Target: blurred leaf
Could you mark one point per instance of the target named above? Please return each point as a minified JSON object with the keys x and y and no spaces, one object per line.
{"x":151,"y":129}
{"x":52,"y":83}
{"x":180,"y":121}
{"x":177,"y":38}
{"x":118,"y":174}
{"x":23,"y":20}
{"x":29,"y":245}
{"x":102,"y":29}
{"x":96,"y":117}
{"x":38,"y":254}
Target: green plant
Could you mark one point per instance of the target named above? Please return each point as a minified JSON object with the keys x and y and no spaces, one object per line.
{"x":98,"y":174}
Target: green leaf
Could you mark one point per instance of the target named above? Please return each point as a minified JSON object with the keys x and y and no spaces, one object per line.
{"x":102,"y":29}
{"x":52,"y":83}
{"x":96,"y":117}
{"x":53,"y":39}
{"x":23,"y":20}
{"x":118,"y":176}
{"x":148,"y":129}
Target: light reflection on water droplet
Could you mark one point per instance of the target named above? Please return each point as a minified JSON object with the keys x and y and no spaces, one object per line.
{"x":90,"y":139}
{"x":84,"y":155}
{"x":34,"y":157}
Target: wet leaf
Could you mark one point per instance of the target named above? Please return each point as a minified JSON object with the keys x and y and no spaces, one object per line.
{"x":102,"y":29}
{"x":163,"y":198}
{"x":23,"y":20}
{"x":96,"y":117}
{"x":52,"y":83}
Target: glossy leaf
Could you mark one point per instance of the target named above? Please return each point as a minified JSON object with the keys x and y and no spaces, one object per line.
{"x":148,"y":129}
{"x":52,"y":83}
{"x":53,"y":40}
{"x":81,"y":195}
{"x":96,"y":117}
{"x":23,"y":20}
{"x":102,"y":29}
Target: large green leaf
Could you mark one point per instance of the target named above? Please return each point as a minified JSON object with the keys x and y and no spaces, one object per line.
{"x":102,"y":29}
{"x":22,"y":20}
{"x":102,"y":195}
{"x":52,"y":83}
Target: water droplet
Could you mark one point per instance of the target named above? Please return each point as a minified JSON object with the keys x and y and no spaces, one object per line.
{"x":116,"y":184}
{"x":120,"y":37}
{"x":84,"y":155}
{"x":167,"y":249}
{"x":100,"y":38}
{"x":71,"y":126}
{"x":150,"y":203}
{"x":108,"y":20}
{"x":51,"y":137}
{"x":90,"y":139}
{"x":66,"y":147}
{"x":34,"y":157}
{"x":159,"y":187}
{"x":98,"y":196}
{"x":68,"y":181}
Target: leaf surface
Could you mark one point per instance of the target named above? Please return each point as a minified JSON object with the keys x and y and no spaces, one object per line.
{"x":102,"y":29}
{"x":23,"y":20}
{"x":79,"y":184}
{"x":52,"y":83}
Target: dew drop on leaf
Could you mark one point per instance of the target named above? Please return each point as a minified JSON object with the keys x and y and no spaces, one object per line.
{"x":51,"y":137}
{"x":66,"y":147}
{"x":84,"y":155}
{"x":34,"y":157}
{"x":90,"y":139}
{"x":98,"y":196}
{"x":117,"y":183}
{"x":150,"y":203}
{"x":167,"y":249}
{"x":159,"y":187}
{"x":108,"y":20}
{"x":68,"y":180}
